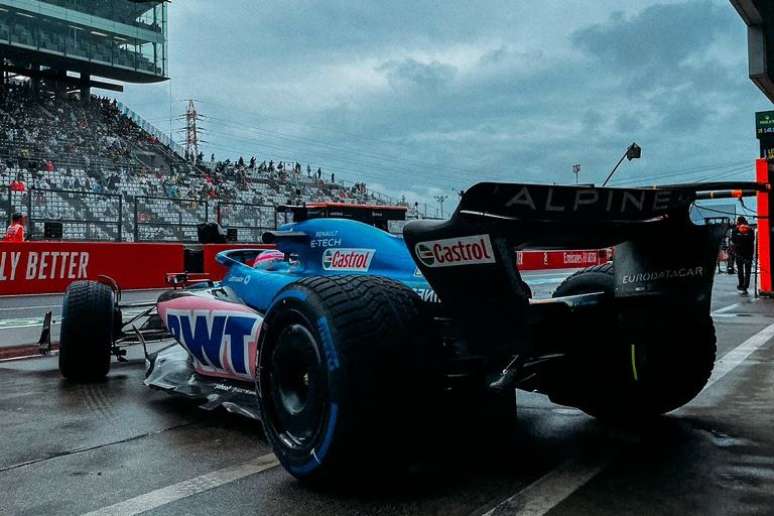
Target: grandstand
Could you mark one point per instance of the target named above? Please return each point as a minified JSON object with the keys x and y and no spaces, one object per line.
{"x":65,"y":160}
{"x":92,"y":164}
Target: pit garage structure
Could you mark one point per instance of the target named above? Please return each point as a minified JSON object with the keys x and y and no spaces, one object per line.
{"x":759,"y":17}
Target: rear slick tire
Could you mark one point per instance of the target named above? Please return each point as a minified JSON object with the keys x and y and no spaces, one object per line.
{"x":646,"y":374}
{"x":86,"y":338}
{"x":336,"y":375}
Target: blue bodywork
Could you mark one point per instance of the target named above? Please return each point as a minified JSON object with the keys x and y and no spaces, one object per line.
{"x":311,"y":244}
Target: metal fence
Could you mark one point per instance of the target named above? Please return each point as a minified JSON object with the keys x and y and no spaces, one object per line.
{"x":83,"y":215}
{"x":115,"y":217}
{"x":161,"y":219}
{"x":250,"y":220}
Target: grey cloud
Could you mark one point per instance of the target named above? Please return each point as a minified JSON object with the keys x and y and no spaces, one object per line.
{"x":409,"y":73}
{"x":628,"y":122}
{"x":523,"y":107}
{"x":663,"y":35}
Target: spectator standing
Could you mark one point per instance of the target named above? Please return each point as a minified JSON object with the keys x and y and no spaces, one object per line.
{"x":15,"y":232}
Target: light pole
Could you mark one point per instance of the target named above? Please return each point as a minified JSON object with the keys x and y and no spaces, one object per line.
{"x":576,"y":170}
{"x":440,"y":199}
{"x":634,"y":151}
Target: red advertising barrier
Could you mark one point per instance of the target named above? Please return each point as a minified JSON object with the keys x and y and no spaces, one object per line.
{"x":48,"y":267}
{"x":542,"y":260}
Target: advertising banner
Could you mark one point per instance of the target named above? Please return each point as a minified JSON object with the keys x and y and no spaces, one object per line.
{"x":48,"y":267}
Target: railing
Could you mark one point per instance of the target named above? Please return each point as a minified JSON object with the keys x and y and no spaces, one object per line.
{"x":83,"y":215}
{"x":250,"y":220}
{"x":161,"y":219}
{"x":151,"y":129}
{"x":116,"y":217}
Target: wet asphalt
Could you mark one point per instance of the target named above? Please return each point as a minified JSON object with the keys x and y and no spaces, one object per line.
{"x":72,"y":449}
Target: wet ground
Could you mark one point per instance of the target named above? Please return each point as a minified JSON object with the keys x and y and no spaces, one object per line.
{"x":119,"y":448}
{"x":21,"y":317}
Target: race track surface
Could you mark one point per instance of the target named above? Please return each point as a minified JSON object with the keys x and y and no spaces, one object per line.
{"x":21,"y":317}
{"x":119,"y":448}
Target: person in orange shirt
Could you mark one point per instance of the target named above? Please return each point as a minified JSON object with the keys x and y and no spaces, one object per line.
{"x":15,"y":232}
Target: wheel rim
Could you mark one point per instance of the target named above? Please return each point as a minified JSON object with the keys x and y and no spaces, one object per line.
{"x":297,"y":387}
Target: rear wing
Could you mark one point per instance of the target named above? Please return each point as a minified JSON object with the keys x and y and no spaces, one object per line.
{"x":563,"y":217}
{"x":662,"y":260}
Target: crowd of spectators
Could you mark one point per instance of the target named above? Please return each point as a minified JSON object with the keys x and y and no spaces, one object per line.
{"x":61,"y":143}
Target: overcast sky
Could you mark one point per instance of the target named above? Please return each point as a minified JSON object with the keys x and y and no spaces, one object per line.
{"x":424,"y":98}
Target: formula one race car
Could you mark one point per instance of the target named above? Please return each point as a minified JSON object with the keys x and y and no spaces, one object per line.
{"x":351,"y":344}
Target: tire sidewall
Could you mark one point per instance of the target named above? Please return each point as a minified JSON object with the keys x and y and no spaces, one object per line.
{"x":299,"y":305}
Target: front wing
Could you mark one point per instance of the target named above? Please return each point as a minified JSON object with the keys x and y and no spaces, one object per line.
{"x":170,"y":370}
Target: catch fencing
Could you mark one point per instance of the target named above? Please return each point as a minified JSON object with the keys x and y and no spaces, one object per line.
{"x":91,"y":216}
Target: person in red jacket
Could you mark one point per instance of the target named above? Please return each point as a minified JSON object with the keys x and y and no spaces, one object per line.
{"x":15,"y":232}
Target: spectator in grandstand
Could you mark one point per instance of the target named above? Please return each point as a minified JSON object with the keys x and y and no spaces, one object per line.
{"x":15,"y":232}
{"x":17,"y":185}
{"x":252,"y":163}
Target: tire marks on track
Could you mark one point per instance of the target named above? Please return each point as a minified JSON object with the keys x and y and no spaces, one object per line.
{"x":98,"y":401}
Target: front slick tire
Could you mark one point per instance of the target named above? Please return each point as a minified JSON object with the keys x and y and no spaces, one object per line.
{"x":336,"y":375}
{"x":86,"y":337}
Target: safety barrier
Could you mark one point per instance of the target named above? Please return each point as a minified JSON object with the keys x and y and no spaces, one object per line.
{"x":48,"y":267}
{"x":45,"y":267}
{"x":542,"y":260}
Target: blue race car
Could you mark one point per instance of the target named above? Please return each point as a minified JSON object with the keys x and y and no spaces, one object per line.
{"x":353,"y":346}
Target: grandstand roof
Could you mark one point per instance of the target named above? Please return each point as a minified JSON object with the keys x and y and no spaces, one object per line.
{"x":123,"y":40}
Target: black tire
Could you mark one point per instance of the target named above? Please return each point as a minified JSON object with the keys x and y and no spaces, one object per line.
{"x":337,"y":375}
{"x":86,"y":339}
{"x":642,"y":375}
{"x":597,"y":278}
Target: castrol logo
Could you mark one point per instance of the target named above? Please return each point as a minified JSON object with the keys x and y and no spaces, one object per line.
{"x":470,"y":250}
{"x":352,"y":260}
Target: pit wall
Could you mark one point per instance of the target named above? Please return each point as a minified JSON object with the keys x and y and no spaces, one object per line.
{"x":48,"y":267}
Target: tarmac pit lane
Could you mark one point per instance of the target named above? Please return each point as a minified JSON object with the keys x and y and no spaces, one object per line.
{"x":73,"y":449}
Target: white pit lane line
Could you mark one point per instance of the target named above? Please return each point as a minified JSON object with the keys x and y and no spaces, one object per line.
{"x":550,"y":490}
{"x":186,"y":488}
